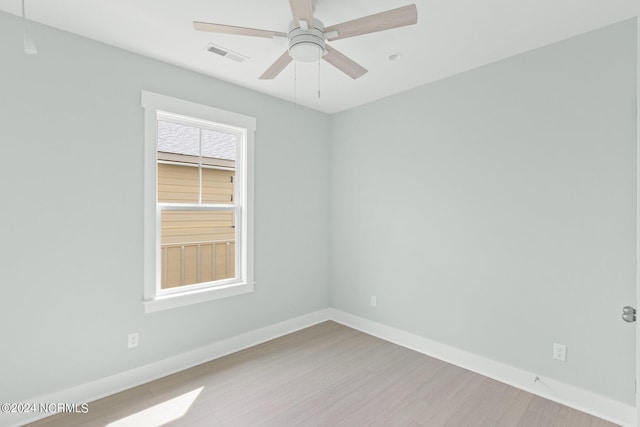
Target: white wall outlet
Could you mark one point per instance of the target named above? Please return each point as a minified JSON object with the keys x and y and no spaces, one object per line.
{"x":132,"y":340}
{"x":374,"y":301}
{"x":560,"y":352}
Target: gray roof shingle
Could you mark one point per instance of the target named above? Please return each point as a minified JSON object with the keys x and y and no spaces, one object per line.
{"x":181,"y":139}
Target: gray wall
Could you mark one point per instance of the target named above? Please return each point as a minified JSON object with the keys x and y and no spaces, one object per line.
{"x":71,"y":139}
{"x":495,"y":210}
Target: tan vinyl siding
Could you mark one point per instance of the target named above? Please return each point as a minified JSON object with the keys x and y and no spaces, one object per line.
{"x":217,"y":186}
{"x":178,"y":184}
{"x":196,"y":226}
{"x":213,"y":232}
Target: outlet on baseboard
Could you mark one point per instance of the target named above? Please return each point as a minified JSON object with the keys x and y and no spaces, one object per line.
{"x":560,"y":352}
{"x":374,"y":301}
{"x":132,"y":340}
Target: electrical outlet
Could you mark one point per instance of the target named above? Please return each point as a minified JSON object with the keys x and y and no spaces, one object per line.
{"x":560,"y":352}
{"x":374,"y":301}
{"x":132,"y":340}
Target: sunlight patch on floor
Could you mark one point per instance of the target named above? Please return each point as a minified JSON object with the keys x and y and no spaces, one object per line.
{"x":160,"y":414}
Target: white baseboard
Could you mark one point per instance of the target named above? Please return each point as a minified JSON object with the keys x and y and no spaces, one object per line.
{"x":116,"y":383}
{"x":566,"y":394}
{"x":575,"y":397}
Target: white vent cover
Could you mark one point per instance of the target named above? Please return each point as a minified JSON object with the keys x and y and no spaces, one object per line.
{"x":227,"y":53}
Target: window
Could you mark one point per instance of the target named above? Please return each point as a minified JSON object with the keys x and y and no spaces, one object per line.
{"x":198,"y":203}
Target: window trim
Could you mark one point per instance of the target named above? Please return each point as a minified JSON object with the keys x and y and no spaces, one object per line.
{"x":153,"y":104}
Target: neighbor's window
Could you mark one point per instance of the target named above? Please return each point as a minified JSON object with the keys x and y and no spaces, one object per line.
{"x":200,"y":245}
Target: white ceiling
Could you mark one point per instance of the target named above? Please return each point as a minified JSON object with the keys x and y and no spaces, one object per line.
{"x":451,"y":36}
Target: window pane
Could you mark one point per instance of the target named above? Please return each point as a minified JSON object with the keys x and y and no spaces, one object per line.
{"x":178,"y":184}
{"x":178,"y":139}
{"x":217,"y":186}
{"x":197,"y":247}
{"x":218,"y":145}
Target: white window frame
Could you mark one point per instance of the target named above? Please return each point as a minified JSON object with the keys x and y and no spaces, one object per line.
{"x":155,"y":106}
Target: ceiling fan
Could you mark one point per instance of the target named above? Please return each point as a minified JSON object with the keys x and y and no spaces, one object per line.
{"x":308,"y":36}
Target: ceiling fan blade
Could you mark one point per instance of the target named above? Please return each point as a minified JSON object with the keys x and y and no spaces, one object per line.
{"x":394,"y":18}
{"x":343,"y":63}
{"x":277,"y":66}
{"x":302,"y":9}
{"x":240,"y":31}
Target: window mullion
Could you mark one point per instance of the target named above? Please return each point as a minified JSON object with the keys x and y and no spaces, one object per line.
{"x":196,"y":207}
{"x":200,"y":167}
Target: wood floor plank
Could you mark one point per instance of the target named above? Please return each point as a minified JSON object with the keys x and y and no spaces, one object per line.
{"x":540,"y":412}
{"x":569,"y":416}
{"x":382,"y":410}
{"x":510,"y":408}
{"x":326,"y":375}
{"x":388,"y":390}
{"x":476,"y":408}
{"x":437,"y":413}
{"x":293,"y":384}
{"x":354,"y":375}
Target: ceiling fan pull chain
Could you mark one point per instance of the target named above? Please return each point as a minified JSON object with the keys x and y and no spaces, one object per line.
{"x":295,"y":85}
{"x":318,"y":79}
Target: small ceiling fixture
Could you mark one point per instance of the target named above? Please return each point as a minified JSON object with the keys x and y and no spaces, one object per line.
{"x":29,"y":46}
{"x":226,"y":53}
{"x":395,"y":56}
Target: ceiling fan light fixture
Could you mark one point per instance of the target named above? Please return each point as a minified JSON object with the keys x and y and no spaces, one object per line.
{"x":306,"y":45}
{"x":306,"y":51}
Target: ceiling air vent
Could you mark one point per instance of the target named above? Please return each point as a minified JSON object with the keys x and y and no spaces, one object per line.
{"x":229,"y":54}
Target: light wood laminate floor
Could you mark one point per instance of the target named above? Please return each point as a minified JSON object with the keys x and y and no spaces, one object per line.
{"x":325,"y":375}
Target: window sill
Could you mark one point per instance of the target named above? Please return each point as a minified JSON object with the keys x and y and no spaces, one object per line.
{"x":165,"y":302}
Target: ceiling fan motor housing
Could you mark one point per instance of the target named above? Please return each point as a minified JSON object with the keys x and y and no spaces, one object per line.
{"x":307,"y":45}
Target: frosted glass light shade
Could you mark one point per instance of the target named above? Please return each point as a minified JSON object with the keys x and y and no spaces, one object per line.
{"x":306,"y":52}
